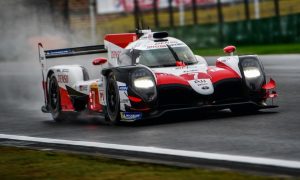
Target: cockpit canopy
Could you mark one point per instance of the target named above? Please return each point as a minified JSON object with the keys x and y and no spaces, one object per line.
{"x":157,"y":53}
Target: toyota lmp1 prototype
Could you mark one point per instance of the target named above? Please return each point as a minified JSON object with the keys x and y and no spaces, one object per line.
{"x":147,"y":74}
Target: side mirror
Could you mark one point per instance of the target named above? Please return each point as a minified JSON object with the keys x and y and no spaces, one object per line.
{"x":229,"y":50}
{"x":99,"y":61}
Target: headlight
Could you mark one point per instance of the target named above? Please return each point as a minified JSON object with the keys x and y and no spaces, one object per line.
{"x":251,"y":72}
{"x":143,"y":83}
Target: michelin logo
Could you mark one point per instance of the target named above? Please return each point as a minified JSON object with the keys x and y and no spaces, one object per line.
{"x":131,"y":116}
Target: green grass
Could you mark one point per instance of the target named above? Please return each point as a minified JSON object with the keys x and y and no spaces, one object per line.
{"x":19,"y":163}
{"x":257,"y":49}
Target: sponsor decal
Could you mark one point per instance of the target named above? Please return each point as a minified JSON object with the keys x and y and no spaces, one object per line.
{"x":55,"y":52}
{"x":83,"y":88}
{"x":62,"y":78}
{"x":101,"y":94}
{"x":131,"y":116}
{"x":164,"y":45}
{"x":125,"y":101}
{"x":189,"y":71}
{"x":123,"y":88}
{"x":205,"y":87}
{"x":100,"y":83}
{"x":115,"y":54}
{"x":156,"y":46}
{"x":200,"y":82}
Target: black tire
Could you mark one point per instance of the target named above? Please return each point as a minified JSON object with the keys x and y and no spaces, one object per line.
{"x":112,"y":100}
{"x":54,"y":99}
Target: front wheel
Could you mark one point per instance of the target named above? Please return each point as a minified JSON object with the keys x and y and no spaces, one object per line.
{"x":113,"y":100}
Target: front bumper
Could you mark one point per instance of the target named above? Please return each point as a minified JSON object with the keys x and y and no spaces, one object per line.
{"x":202,"y":108}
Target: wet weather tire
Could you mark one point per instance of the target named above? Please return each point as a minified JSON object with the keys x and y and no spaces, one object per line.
{"x":113,"y":100}
{"x":54,"y":99}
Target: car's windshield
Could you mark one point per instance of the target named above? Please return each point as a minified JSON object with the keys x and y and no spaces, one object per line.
{"x":165,"y":56}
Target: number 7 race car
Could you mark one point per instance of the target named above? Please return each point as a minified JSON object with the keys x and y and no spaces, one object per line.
{"x":147,"y":74}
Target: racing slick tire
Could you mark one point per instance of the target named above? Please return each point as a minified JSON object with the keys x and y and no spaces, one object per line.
{"x":54,"y":99}
{"x":113,"y":100}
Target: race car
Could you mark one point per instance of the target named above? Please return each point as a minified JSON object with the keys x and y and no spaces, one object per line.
{"x":146,"y":74}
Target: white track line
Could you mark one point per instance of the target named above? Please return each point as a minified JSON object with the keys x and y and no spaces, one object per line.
{"x":163,"y":151}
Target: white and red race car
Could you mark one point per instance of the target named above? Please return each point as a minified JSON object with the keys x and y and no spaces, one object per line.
{"x":146,"y":74}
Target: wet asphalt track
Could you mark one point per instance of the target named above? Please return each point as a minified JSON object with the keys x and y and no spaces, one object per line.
{"x":272,"y":133}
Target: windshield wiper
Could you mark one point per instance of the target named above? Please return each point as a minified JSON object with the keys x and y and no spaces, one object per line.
{"x":173,"y":53}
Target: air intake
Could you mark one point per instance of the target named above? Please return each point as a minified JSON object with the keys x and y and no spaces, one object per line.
{"x":160,"y":35}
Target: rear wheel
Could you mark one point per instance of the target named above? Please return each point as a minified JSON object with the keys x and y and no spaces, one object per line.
{"x":54,"y":99}
{"x":113,"y":100}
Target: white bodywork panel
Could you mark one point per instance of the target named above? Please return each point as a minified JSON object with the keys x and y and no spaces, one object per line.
{"x":68,"y":71}
{"x":123,"y":95}
{"x":113,"y":52}
{"x":232,"y":62}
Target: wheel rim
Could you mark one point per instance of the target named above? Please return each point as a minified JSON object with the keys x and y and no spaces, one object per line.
{"x":53,"y":94}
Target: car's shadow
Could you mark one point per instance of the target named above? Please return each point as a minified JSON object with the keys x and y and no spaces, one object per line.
{"x":170,"y":118}
{"x":189,"y":116}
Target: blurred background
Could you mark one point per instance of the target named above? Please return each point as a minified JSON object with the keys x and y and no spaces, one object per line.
{"x":200,"y":23}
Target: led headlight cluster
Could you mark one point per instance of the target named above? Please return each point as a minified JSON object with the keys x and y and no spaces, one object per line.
{"x":144,"y":83}
{"x":253,"y":73}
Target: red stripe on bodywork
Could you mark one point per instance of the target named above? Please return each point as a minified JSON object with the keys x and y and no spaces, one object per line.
{"x":65,"y":101}
{"x":163,"y":79}
{"x":218,"y":74}
{"x":121,"y":40}
{"x":215,"y":74}
{"x":190,"y":76}
{"x":224,"y":66}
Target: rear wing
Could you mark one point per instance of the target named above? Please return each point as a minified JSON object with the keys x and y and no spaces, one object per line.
{"x":45,"y":55}
{"x":76,"y":51}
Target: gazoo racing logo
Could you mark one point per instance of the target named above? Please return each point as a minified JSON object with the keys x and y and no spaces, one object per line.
{"x":131,"y":116}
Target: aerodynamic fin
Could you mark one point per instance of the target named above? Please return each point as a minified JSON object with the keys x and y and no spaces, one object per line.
{"x":270,"y":85}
